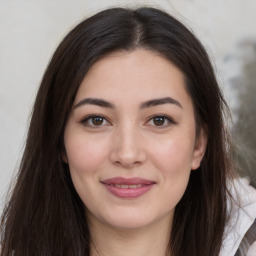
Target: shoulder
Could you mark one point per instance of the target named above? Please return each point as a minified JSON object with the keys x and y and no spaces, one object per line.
{"x":242,"y":212}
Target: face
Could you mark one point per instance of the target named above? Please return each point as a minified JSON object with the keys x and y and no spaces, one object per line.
{"x":130,"y":140}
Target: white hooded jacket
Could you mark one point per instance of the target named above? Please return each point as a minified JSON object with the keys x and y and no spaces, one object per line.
{"x":243,"y":216}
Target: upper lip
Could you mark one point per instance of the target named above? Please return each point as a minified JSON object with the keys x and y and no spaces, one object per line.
{"x":127,"y":181}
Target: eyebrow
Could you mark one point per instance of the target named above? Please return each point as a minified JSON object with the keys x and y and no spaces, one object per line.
{"x":93,"y":101}
{"x":161,"y":101}
{"x":146,"y":104}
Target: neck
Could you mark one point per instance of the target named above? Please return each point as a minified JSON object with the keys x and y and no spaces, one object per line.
{"x":146,"y":241}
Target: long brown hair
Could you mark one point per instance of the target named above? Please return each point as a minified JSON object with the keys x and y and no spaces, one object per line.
{"x":44,"y":215}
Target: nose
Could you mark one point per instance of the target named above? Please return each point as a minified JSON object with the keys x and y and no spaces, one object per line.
{"x":128,"y":148}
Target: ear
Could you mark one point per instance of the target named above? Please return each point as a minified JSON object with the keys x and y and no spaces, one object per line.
{"x":63,"y":153}
{"x":199,"y":149}
{"x":64,"y":158}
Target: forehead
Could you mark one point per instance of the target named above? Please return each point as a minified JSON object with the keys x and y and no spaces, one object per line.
{"x":133,"y":75}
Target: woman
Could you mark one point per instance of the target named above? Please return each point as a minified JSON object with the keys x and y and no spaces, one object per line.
{"x":126,"y":153}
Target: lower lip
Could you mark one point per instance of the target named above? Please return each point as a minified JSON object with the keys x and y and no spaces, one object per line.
{"x":128,"y":192}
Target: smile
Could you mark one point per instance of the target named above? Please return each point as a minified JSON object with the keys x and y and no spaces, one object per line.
{"x":128,"y":188}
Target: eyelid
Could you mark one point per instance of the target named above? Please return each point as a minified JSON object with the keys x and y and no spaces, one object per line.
{"x":85,"y":120}
{"x":168,"y":118}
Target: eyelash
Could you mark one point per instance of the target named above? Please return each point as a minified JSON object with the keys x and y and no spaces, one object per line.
{"x":166,"y":118}
{"x":89,"y":118}
{"x":86,"y":120}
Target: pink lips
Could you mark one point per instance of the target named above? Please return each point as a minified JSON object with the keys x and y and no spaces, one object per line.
{"x":128,"y":187}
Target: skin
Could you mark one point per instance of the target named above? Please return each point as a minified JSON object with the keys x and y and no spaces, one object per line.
{"x":128,"y":141}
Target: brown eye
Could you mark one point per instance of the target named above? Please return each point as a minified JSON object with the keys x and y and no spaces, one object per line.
{"x":97,"y":120}
{"x":159,"y":120}
{"x":94,"y":121}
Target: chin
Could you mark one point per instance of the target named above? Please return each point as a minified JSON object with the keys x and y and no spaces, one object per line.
{"x":133,"y":219}
{"x":124,"y":219}
{"x":128,"y":223}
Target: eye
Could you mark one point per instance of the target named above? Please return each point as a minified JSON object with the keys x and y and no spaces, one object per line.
{"x":161,"y":121}
{"x":95,"y":121}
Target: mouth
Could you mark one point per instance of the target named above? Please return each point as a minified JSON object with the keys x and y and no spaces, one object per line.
{"x":128,"y":187}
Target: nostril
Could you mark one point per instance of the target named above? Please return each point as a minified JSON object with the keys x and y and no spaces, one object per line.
{"x":127,"y":164}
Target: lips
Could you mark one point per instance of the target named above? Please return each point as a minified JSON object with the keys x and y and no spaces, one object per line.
{"x":128,"y":187}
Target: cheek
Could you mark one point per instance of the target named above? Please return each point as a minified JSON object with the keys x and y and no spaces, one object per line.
{"x":85,"y":154}
{"x":173,"y":160}
{"x":173,"y":157}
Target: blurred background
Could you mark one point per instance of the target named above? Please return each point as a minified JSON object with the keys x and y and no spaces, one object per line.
{"x":30,"y":30}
